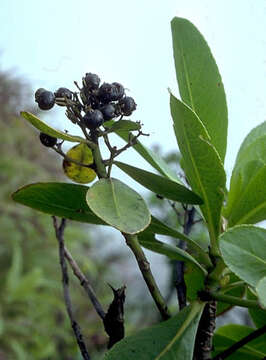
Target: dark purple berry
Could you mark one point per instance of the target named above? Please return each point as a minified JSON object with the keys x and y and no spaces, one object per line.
{"x":91,"y":81}
{"x":47,"y":140}
{"x":38,"y":93}
{"x":93,"y":119}
{"x":107,"y":93}
{"x":108,"y":111}
{"x":63,"y":92}
{"x":93,"y":101}
{"x":127,"y":105}
{"x":119,"y":90}
{"x":45,"y":100}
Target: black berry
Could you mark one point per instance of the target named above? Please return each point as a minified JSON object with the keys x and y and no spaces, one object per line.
{"x":45,"y":100}
{"x":47,"y":140}
{"x":127,"y":105}
{"x":91,"y":81}
{"x":93,"y":119}
{"x":108,"y":112}
{"x":119,"y":93}
{"x":107,"y":93}
{"x":38,"y":93}
{"x":63,"y":92}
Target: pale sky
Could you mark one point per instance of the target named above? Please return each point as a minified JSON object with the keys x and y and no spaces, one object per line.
{"x":52,"y":43}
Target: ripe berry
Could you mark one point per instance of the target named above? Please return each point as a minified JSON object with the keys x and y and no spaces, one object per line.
{"x":127,"y":105}
{"x":63,"y":92}
{"x":93,"y":119}
{"x":45,"y":99}
{"x":47,"y":140}
{"x":108,"y":111}
{"x":38,"y":93}
{"x":119,"y":90}
{"x":107,"y":93}
{"x":91,"y":81}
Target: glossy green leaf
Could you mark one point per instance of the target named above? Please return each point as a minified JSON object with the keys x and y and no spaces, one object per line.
{"x":158,"y":227}
{"x":150,"y":156}
{"x":249,"y":206}
{"x":160,"y":185}
{"x":80,"y":174}
{"x":43,"y":127}
{"x":227,"y":335}
{"x":244,"y":252}
{"x":258,"y":316}
{"x":122,"y":125}
{"x":172,"y":252}
{"x":165,"y":341}
{"x":202,"y":164}
{"x":199,"y":81}
{"x":59,"y":199}
{"x":118,"y":205}
{"x":261,"y":291}
{"x":194,"y":280}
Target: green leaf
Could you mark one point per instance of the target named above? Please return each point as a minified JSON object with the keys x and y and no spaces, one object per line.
{"x":118,"y":205}
{"x":195,"y":281}
{"x":43,"y":127}
{"x":249,"y":206}
{"x":258,"y":316}
{"x":253,"y":146}
{"x":172,"y":252}
{"x":160,"y":185}
{"x":122,"y":125}
{"x":150,"y":156}
{"x":244,"y":252}
{"x":165,"y":341}
{"x":261,"y":291}
{"x":158,"y":227}
{"x":199,"y":81}
{"x":80,"y":174}
{"x":250,"y":159}
{"x":59,"y":199}
{"x":202,"y":163}
{"x":227,"y":335}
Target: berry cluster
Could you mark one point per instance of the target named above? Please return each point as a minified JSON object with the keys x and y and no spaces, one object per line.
{"x":91,"y":106}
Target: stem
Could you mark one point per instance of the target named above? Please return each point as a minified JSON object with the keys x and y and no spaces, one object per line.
{"x":59,"y":231}
{"x":59,"y":151}
{"x":254,"y":335}
{"x":84,"y":282}
{"x":144,"y":266}
{"x":203,"y":343}
{"x":232,"y":300}
{"x":100,"y":167}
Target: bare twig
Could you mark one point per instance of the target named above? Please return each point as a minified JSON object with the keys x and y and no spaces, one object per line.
{"x":84,"y":282}
{"x":254,"y":335}
{"x":59,"y":231}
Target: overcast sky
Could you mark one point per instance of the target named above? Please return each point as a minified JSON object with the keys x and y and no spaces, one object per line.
{"x":51,"y":43}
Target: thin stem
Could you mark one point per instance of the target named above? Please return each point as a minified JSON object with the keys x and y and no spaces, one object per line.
{"x":84,"y":282}
{"x":144,"y":266}
{"x":67,"y":158}
{"x":59,"y":231}
{"x":229,"y":299}
{"x":254,"y":335}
